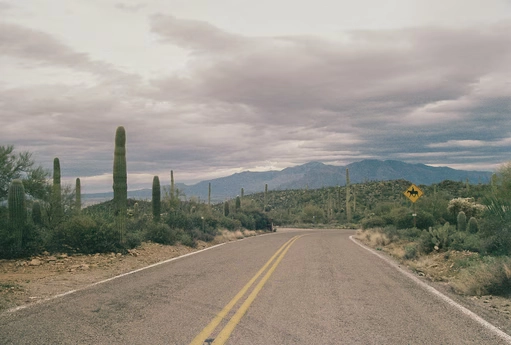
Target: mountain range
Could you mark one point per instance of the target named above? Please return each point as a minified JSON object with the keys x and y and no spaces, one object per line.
{"x":313,"y":175}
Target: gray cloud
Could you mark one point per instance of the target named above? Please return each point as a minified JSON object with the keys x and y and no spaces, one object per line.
{"x":432,"y":95}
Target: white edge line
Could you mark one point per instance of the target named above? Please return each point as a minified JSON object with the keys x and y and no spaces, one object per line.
{"x":437,"y":293}
{"x":15,"y":309}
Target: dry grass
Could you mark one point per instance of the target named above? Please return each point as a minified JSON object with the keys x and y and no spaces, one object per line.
{"x":226,"y":235}
{"x":489,"y":276}
{"x":372,"y":237}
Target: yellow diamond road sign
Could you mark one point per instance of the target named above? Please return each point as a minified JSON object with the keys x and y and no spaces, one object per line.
{"x":413,"y":193}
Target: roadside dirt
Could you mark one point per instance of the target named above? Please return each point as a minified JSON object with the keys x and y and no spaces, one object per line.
{"x":37,"y":278}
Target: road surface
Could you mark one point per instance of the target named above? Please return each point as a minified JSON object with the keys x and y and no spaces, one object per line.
{"x":291,"y":287}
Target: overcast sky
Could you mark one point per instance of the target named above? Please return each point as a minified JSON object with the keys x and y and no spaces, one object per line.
{"x":209,"y":88}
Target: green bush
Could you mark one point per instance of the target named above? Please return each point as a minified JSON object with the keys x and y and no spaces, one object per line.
{"x":410,"y":234}
{"x":425,"y":242}
{"x":161,"y":233}
{"x":186,"y":239}
{"x":466,"y":241}
{"x":84,"y":235}
{"x":373,"y":222}
{"x":411,"y":252}
{"x":391,"y":232}
{"x":230,"y":224}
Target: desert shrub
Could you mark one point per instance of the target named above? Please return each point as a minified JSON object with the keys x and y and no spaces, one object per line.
{"x":178,"y":220}
{"x":197,"y":234}
{"x":425,"y":242}
{"x":465,"y":241}
{"x":230,"y":224}
{"x":246,"y":221}
{"x":160,"y":233}
{"x":85,"y":235}
{"x":373,"y":222}
{"x":312,"y":214}
{"x":186,"y":239}
{"x":134,"y":238}
{"x":411,"y":252}
{"x":410,"y":234}
{"x":441,"y":235}
{"x":489,"y":275}
{"x":391,"y":232}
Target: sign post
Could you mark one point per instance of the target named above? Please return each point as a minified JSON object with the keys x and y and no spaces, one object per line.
{"x":413,"y":193}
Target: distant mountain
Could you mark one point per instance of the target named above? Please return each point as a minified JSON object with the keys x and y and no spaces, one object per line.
{"x":315,"y":175}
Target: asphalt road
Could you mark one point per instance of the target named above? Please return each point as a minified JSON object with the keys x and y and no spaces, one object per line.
{"x":291,"y":287}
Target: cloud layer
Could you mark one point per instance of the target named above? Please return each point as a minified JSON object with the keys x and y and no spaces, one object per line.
{"x":430,"y":94}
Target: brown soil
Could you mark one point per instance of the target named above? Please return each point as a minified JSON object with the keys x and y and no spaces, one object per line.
{"x":34,"y":279}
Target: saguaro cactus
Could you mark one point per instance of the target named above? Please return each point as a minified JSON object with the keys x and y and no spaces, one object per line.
{"x":36,"y":213}
{"x":156,"y":201}
{"x":265,"y":197}
{"x":17,"y":212}
{"x":172,"y":190}
{"x":238,"y":203}
{"x":473,"y":226}
{"x":348,"y":196}
{"x":226,"y":208}
{"x":120,"y":185}
{"x":78,"y":196}
{"x":462,"y":221}
{"x":209,"y":194}
{"x":57,"y":192}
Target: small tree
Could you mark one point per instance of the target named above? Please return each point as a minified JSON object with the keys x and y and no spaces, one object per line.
{"x":21,"y":166}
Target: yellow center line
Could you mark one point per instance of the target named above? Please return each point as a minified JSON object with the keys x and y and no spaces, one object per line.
{"x":233,"y":322}
{"x":202,"y":336}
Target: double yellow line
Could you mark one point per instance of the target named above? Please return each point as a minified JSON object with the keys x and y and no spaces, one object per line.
{"x":225,"y":333}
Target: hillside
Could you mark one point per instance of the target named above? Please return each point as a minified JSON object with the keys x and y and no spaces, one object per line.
{"x":315,"y":175}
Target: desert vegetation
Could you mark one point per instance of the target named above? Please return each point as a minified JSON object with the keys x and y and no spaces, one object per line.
{"x":38,"y":214}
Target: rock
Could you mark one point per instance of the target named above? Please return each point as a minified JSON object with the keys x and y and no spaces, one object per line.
{"x":51,"y":258}
{"x":35,"y":262}
{"x":62,"y":256}
{"x":118,"y":255}
{"x":84,"y":267}
{"x":46,"y":253}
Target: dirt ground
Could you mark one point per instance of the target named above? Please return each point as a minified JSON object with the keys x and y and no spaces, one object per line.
{"x":40,"y":277}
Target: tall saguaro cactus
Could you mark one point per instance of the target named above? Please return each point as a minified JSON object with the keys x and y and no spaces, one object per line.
{"x":265,"y":196}
{"x":78,"y":196}
{"x":57,"y":192}
{"x":37,"y":217}
{"x":348,"y":196}
{"x":172,"y":187}
{"x":156,"y":200}
{"x":120,"y":185}
{"x":209,"y":194}
{"x":17,"y":212}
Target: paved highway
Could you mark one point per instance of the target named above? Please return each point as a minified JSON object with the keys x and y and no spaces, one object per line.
{"x":291,"y":287}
